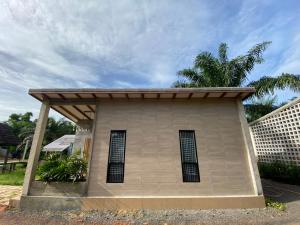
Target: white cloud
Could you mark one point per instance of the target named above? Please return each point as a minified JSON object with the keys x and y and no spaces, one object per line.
{"x":125,"y":43}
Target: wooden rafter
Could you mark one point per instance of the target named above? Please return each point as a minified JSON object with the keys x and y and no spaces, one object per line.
{"x":68,"y":112}
{"x":222,"y":95}
{"x":190,"y":95}
{"x":206,"y":95}
{"x":83,"y":113}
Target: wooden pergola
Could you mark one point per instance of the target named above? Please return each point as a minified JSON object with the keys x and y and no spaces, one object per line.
{"x":80,"y":104}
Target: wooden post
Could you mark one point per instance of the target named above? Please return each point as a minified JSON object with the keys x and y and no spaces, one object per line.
{"x":250,"y":150}
{"x":25,"y":150}
{"x":36,"y":147}
{"x":5,"y":160}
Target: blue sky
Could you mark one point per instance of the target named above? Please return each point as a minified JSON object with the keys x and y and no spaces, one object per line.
{"x":127,"y":43}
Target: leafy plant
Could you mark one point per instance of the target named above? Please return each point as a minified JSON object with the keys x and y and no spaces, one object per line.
{"x":211,"y":71}
{"x":68,"y":169}
{"x":275,"y":204}
{"x":287,"y":173}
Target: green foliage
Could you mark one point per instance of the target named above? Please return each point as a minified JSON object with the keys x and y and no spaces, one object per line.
{"x":260,"y":107}
{"x":287,"y":173}
{"x":68,"y":169}
{"x":275,"y":204}
{"x":267,"y":84}
{"x":13,"y":178}
{"x":211,"y":71}
{"x":56,"y":129}
{"x":23,"y":126}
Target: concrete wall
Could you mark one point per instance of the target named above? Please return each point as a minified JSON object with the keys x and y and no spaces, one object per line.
{"x":152,"y":155}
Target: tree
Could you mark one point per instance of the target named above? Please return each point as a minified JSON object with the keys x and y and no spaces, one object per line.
{"x":56,"y":129}
{"x":260,"y":107}
{"x":210,"y":71}
{"x":23,"y":127}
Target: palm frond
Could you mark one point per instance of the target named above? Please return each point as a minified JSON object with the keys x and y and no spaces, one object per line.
{"x":267,"y":84}
{"x":223,"y":53}
{"x":189,"y":74}
{"x":182,"y":84}
{"x":254,"y":55}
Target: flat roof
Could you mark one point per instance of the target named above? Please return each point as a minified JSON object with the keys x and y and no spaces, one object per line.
{"x":60,"y":144}
{"x":78,"y":104}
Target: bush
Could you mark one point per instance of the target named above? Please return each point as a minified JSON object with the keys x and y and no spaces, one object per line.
{"x":274,"y":204}
{"x":287,"y":173}
{"x":68,"y":169}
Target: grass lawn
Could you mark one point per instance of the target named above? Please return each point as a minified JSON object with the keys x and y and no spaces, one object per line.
{"x":13,"y":178}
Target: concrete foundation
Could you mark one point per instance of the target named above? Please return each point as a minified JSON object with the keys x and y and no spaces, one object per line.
{"x":92,"y":203}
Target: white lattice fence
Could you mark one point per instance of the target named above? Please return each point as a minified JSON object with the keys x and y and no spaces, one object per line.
{"x":277,"y":135}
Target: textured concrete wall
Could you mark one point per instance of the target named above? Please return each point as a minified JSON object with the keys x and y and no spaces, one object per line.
{"x":152,"y":156}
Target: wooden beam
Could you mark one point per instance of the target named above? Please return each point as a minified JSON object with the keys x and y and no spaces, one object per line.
{"x":94,"y":95}
{"x":142,"y":95}
{"x":158,"y":96}
{"x":90,"y":108}
{"x":238,"y":95}
{"x":45,"y":97}
{"x":83,"y":101}
{"x":206,"y":95}
{"x":190,"y":95}
{"x":222,"y":95}
{"x":36,"y":147}
{"x":83,"y":113}
{"x":68,"y":112}
{"x":110,"y":96}
{"x":78,"y":96}
{"x":61,"y":96}
{"x":174,"y":96}
{"x":127,"y":96}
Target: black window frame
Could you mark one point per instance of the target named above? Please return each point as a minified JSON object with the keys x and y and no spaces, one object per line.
{"x":108,"y":180}
{"x":184,"y":176}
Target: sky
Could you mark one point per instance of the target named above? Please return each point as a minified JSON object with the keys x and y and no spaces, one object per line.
{"x":133,"y":43}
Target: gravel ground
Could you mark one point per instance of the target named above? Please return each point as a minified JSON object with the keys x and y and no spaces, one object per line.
{"x":290,"y":194}
{"x":224,"y":217}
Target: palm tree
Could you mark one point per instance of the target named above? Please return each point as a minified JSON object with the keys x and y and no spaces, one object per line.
{"x":210,"y":71}
{"x":257,"y":108}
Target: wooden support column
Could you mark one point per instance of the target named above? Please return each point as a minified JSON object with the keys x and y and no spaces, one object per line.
{"x":250,"y":150}
{"x":36,"y":147}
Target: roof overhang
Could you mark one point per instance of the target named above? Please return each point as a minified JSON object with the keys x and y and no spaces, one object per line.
{"x":80,"y":104}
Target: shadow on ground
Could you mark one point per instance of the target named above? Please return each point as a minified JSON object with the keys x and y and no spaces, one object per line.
{"x":281,"y":192}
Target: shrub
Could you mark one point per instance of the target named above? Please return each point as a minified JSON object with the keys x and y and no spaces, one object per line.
{"x":274,"y":204}
{"x":68,"y":169}
{"x":287,"y":173}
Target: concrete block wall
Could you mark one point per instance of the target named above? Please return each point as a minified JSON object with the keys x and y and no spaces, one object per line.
{"x":152,"y":155}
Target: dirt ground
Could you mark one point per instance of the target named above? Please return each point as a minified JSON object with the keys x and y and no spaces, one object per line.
{"x":289,"y":194}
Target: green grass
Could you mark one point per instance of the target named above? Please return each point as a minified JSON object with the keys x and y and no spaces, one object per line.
{"x":275,"y":204}
{"x":13,"y":178}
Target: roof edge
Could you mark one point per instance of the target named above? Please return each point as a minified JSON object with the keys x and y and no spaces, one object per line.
{"x":131,"y":90}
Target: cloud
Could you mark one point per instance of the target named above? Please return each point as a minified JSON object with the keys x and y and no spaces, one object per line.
{"x":130,"y":43}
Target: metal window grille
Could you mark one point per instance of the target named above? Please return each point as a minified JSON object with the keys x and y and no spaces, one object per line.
{"x":116,"y":158}
{"x":189,"y":159}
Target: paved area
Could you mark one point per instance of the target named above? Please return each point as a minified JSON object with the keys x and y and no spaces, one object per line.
{"x":289,"y":194}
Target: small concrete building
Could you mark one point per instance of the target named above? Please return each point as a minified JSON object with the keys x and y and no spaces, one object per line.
{"x":153,"y":148}
{"x":277,"y":135}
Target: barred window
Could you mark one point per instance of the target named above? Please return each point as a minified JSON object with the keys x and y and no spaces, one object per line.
{"x":189,"y":159}
{"x":116,"y":158}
